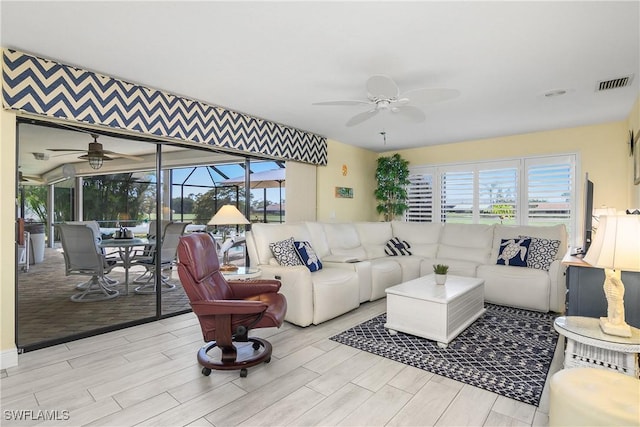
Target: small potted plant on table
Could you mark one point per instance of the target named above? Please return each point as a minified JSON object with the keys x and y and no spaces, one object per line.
{"x":441,"y":273}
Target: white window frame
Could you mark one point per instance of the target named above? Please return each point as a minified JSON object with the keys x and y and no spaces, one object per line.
{"x":522,"y":164}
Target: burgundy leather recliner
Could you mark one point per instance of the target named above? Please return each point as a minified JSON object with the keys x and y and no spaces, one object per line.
{"x":227,"y":310}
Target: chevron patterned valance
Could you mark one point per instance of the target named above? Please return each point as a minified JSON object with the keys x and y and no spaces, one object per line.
{"x":51,"y":89}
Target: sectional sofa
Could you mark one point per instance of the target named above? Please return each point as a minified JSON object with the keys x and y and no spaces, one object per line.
{"x":521,"y":265}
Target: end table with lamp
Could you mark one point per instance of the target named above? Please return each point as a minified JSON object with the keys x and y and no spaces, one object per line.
{"x":608,"y":342}
{"x":227,"y":215}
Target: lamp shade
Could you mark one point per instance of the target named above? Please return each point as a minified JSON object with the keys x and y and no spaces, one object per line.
{"x":617,"y":243}
{"x":228,"y":215}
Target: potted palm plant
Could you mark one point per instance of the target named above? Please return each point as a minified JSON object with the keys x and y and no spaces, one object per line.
{"x":440,"y":271}
{"x":392,"y":175}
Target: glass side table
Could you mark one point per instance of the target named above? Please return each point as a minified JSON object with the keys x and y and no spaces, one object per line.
{"x":588,"y":346}
{"x":242,"y":273}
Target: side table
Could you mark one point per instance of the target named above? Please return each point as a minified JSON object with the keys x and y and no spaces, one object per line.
{"x":588,"y":346}
{"x":242,"y":273}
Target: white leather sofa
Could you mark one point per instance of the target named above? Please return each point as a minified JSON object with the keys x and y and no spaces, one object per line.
{"x":357,"y":269}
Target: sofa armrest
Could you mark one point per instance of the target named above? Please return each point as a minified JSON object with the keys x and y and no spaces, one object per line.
{"x":297,"y":287}
{"x":558,"y":291}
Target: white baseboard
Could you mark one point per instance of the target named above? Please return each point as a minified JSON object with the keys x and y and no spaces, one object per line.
{"x":8,"y":358}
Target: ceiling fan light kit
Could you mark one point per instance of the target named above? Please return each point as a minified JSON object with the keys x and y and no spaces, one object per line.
{"x":384,"y":95}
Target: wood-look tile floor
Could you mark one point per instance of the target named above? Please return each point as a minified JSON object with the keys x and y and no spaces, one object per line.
{"x":148,"y":375}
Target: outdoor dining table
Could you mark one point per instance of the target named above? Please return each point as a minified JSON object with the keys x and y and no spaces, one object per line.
{"x":125,"y":250}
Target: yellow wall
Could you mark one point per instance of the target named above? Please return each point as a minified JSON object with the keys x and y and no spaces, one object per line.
{"x":8,"y":354}
{"x":361,"y":167}
{"x":603,"y":153}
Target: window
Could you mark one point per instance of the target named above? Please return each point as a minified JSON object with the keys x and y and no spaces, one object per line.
{"x":525,"y":191}
{"x":420,"y":196}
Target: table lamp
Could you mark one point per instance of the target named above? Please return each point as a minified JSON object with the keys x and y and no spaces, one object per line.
{"x":227,"y":215}
{"x":616,"y":247}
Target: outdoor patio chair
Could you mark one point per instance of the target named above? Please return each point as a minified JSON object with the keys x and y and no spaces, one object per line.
{"x":111,"y":260}
{"x":83,"y":257}
{"x":172,"y":233}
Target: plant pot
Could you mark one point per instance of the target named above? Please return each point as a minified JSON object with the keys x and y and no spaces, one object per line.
{"x":441,"y":279}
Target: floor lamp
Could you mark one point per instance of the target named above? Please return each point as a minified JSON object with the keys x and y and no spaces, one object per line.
{"x":227,"y":215}
{"x":616,"y":247}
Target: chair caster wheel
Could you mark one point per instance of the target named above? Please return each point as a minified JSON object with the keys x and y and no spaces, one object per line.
{"x":256,"y":345}
{"x":243,"y":373}
{"x":206,"y":372}
{"x":267,"y":360}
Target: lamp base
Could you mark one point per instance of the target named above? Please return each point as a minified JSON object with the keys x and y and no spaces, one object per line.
{"x":619,"y":330}
{"x":228,"y":267}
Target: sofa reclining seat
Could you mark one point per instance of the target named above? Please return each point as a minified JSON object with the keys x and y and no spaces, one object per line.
{"x":227,"y":310}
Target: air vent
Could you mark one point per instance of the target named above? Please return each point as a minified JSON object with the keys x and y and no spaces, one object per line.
{"x":614,"y":83}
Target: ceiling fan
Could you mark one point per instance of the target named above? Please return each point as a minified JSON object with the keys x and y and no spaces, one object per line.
{"x":383,"y":94}
{"x":30,"y":178}
{"x":96,"y":154}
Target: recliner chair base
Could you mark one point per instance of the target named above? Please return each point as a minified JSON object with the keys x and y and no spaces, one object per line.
{"x":232,"y":357}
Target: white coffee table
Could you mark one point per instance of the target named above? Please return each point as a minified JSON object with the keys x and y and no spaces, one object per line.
{"x":436,"y":312}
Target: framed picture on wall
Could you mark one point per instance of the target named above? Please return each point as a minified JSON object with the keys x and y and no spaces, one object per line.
{"x":344,"y":192}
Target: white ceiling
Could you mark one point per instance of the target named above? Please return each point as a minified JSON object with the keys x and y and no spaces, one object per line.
{"x":274,"y":59}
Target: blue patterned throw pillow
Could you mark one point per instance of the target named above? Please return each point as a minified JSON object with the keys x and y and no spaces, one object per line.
{"x":285,"y":253}
{"x":542,"y":252}
{"x":308,"y":255}
{"x":514,"y":252}
{"x":396,"y":247}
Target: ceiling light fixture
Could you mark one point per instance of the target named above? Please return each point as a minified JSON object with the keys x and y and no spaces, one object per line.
{"x":95,"y":161}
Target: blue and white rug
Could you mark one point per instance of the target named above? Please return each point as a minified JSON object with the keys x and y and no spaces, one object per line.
{"x":507,"y":351}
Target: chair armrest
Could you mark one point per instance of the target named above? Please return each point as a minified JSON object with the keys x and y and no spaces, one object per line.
{"x":249,"y":288}
{"x":213,"y":308}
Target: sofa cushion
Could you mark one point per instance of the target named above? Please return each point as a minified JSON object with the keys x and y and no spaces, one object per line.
{"x":264,"y":234}
{"x":457,"y":267}
{"x":285,"y":252}
{"x":308,"y":256}
{"x":513,"y":252}
{"x":318,"y":238}
{"x":343,"y":241}
{"x":468,"y":242}
{"x":395,"y":247}
{"x":373,"y":237}
{"x":554,"y":232}
{"x":542,"y":252}
{"x":526,"y":288}
{"x":422,"y":236}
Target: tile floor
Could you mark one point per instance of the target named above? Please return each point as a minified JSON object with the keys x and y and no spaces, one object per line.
{"x":148,"y":375}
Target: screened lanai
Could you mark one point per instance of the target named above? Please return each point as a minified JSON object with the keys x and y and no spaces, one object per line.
{"x":139,"y":181}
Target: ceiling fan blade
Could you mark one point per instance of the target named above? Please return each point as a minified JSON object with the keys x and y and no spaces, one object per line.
{"x":342,"y":103}
{"x":380,"y":86}
{"x":64,"y":149}
{"x":30,"y":178}
{"x":359,"y":118}
{"x":125,"y":156}
{"x":430,"y":96}
{"x":410,"y":113}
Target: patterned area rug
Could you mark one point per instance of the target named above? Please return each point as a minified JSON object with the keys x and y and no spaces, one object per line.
{"x":507,"y":351}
